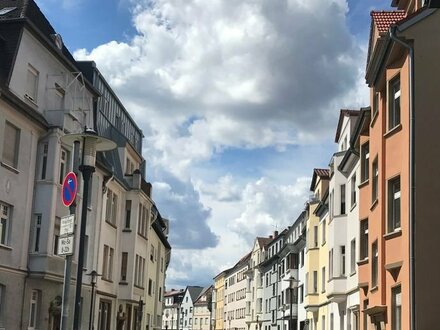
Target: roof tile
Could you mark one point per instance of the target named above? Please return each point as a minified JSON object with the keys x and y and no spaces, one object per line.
{"x":384,"y":19}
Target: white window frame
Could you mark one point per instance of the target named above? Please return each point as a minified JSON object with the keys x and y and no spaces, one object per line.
{"x":5,"y":223}
{"x":34,"y":310}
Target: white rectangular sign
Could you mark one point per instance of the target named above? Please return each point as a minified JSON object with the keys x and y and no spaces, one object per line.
{"x":65,"y":246}
{"x":67,"y":225}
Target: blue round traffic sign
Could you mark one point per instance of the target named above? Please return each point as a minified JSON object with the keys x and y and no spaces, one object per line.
{"x":70,"y":187}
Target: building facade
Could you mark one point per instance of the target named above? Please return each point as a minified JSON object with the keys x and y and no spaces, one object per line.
{"x":202,"y":310}
{"x":187,"y":307}
{"x":171,"y":311}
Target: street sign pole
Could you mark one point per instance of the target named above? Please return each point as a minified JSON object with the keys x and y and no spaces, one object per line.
{"x":68,"y":261}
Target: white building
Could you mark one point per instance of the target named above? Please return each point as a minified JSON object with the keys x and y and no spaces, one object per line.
{"x":343,"y":230}
{"x":171,"y":312}
{"x":187,"y":307}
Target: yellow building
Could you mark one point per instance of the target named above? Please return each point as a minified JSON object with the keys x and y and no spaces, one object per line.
{"x":219,"y":293}
{"x":316,"y":258}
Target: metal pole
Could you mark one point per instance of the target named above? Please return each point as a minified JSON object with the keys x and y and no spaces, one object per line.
{"x":92,"y":303}
{"x":86,"y":173}
{"x":68,"y":261}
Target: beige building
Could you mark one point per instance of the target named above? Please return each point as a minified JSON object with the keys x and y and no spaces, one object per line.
{"x":202,"y":310}
{"x":219,"y":295}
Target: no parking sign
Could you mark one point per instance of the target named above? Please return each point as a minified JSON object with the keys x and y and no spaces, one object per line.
{"x":70,"y":187}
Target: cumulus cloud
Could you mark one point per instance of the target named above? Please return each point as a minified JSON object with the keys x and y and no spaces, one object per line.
{"x":188,"y":217}
{"x":249,"y":73}
{"x":200,"y":77}
{"x":268,"y":207}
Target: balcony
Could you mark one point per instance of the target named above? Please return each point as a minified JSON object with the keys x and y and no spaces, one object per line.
{"x":336,"y":289}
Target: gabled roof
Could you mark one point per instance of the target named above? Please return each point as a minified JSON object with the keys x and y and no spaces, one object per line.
{"x":344,"y":113}
{"x":206,"y":291}
{"x":194,"y":292}
{"x":173,"y":292}
{"x":319,"y":172}
{"x":264,"y":241}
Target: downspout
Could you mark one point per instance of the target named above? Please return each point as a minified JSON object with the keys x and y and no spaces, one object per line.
{"x":412,"y":190}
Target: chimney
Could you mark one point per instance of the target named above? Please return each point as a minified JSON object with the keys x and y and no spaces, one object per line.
{"x":270,"y":236}
{"x":275,"y":233}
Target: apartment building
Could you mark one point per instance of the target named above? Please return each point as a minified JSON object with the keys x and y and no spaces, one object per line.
{"x":398,"y":188}
{"x":187,"y":307}
{"x":314,"y":301}
{"x":255,"y":281}
{"x":342,"y":233}
{"x":202,"y":310}
{"x":235,"y":295}
{"x":171,"y":311}
{"x":46,"y":95}
{"x":219,"y":296}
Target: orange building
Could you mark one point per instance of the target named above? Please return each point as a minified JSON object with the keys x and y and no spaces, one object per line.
{"x":399,"y":189}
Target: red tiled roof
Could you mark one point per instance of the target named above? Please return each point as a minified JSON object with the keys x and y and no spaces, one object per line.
{"x":263,"y":241}
{"x":322,"y":172}
{"x":384,"y":19}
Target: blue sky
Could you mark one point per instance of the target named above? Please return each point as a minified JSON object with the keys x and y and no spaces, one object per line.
{"x":238,"y":102}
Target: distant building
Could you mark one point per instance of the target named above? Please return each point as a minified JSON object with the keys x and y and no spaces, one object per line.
{"x":187,"y":307}
{"x":202,"y":310}
{"x":171,"y":312}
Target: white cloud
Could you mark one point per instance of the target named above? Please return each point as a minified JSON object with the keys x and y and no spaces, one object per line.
{"x":203,"y":76}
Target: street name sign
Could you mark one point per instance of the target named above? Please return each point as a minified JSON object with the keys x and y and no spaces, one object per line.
{"x":65,"y":246}
{"x":70,"y":188}
{"x":67,"y":225}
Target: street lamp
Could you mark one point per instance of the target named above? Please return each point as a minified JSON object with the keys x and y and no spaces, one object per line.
{"x":293,"y":284}
{"x":91,"y":143}
{"x":94,"y":274}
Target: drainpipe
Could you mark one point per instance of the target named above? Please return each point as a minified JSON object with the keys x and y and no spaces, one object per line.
{"x":412,"y":190}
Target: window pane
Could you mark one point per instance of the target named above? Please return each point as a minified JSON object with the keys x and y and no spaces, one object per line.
{"x":10,"y":145}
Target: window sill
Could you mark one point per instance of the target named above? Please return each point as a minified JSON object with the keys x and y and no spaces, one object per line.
{"x":393,"y":131}
{"x":139,"y":287}
{"x":126,"y":230}
{"x":111,"y":224}
{"x":5,"y":247}
{"x":363,"y":262}
{"x":373,"y":120}
{"x":123,"y":283}
{"x":396,"y":233}
{"x":30,"y":100}
{"x":352,"y":207}
{"x":106,"y":280}
{"x":364,"y":183}
{"x":140,"y":235}
{"x":374,"y":289}
{"x":374,"y":204}
{"x":10,"y":168}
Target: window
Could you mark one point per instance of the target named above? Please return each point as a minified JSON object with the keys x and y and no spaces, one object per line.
{"x":44,"y":161}
{"x":139,"y":271}
{"x":32,"y":84}
{"x":315,"y":236}
{"x":353,"y":190}
{"x":323,"y":279}
{"x":150,"y":286}
{"x":306,"y":284}
{"x":363,"y":239}
{"x":331,"y":206}
{"x":375,"y":104}
{"x":365,"y":314}
{"x":111,"y":207}
{"x":394,"y":103}
{"x":374,"y":264}
{"x":396,"y":306}
{"x":152,"y":253}
{"x":365,"y":162}
{"x":107,"y":264}
{"x":343,"y":260}
{"x":394,"y":204}
{"x":127,"y":214}
{"x":124,"y":261}
{"x":11,"y":145}
{"x":342,"y":198}
{"x":323,"y":322}
{"x":34,"y":310}
{"x":315,"y":281}
{"x":330,"y":264}
{"x":301,"y":293}
{"x":5,"y":222}
{"x":56,"y":235}
{"x":353,"y":256}
{"x":63,"y":165}
{"x":374,"y":188}
{"x":104,"y":316}
{"x":143,"y":221}
{"x":332,"y":321}
{"x":302,"y":258}
{"x":323,"y":232}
